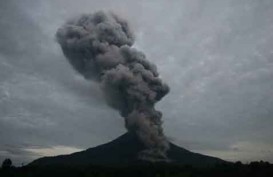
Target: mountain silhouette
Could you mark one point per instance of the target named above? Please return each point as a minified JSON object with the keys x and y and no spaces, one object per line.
{"x":124,"y":151}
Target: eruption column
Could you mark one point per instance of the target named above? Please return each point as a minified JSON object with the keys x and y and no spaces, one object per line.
{"x":98,"y":46}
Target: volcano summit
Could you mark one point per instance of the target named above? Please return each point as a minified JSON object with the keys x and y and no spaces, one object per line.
{"x":124,"y":151}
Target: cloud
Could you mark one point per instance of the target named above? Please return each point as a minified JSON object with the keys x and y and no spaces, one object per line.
{"x":244,"y":151}
{"x":53,"y":151}
{"x":220,"y":52}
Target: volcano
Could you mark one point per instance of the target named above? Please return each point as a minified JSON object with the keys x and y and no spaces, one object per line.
{"x":124,"y":151}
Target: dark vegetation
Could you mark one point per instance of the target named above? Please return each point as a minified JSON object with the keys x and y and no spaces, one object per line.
{"x":256,"y":169}
{"x":118,"y":158}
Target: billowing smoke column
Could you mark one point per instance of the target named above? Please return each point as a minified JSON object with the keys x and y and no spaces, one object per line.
{"x":98,"y":46}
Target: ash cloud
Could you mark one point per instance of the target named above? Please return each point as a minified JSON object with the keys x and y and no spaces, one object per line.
{"x":99,"y":47}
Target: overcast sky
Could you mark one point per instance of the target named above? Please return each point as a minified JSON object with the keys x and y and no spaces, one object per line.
{"x":216,"y":56}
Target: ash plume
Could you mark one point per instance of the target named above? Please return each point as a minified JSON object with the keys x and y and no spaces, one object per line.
{"x":98,"y":46}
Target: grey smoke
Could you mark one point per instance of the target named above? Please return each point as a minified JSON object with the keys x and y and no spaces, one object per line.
{"x":98,"y":46}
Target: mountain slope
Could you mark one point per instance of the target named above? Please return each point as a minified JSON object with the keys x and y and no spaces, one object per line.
{"x":124,"y":151}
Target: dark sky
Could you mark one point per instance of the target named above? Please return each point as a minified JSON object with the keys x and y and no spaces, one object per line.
{"x":216,"y":56}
